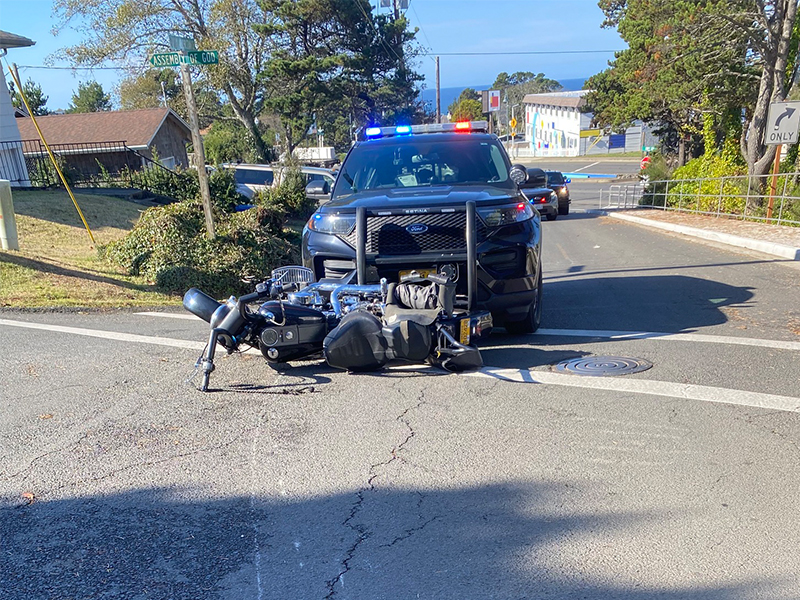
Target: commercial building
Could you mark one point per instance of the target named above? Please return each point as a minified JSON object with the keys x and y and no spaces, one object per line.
{"x":556,"y":126}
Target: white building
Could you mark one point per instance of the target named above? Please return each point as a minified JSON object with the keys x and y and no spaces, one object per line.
{"x":12,"y":162}
{"x":555,"y":126}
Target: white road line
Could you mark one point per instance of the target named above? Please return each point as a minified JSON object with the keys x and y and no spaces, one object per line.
{"x":676,"y":337}
{"x":586,"y":167}
{"x":169,"y":315}
{"x":646,"y":386}
{"x":614,"y":335}
{"x":637,"y":386}
{"x":109,"y":335}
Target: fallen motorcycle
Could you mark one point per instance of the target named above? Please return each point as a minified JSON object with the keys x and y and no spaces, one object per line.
{"x":354,"y":327}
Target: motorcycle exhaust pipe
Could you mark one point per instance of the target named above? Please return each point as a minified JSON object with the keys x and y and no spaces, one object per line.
{"x":200,"y":304}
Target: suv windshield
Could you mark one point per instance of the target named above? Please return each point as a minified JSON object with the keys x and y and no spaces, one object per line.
{"x":420,"y":162}
{"x":555,"y":179}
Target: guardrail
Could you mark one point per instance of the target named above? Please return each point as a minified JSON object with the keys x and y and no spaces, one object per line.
{"x":758,"y":198}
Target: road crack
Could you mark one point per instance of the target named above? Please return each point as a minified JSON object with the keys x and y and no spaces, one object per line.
{"x":361,"y":531}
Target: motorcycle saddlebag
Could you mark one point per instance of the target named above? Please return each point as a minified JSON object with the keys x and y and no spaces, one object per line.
{"x":357,"y":344}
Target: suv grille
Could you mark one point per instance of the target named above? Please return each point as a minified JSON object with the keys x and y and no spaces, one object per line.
{"x":387,"y":235}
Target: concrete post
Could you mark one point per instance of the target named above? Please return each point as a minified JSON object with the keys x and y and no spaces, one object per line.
{"x":8,"y":222}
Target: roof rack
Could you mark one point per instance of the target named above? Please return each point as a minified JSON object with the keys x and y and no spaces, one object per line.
{"x":401,"y":130}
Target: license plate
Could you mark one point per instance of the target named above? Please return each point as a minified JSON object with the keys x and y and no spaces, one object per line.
{"x":464,"y":334}
{"x":420,"y":272}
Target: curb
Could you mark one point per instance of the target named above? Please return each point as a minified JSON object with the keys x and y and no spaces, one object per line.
{"x":780,"y":250}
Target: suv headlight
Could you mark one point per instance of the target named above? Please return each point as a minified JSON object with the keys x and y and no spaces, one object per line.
{"x":332,"y":223}
{"x":497,"y":216}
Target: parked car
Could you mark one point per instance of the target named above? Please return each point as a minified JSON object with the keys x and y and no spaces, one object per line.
{"x":558,"y":183}
{"x":252,"y":178}
{"x":540,"y":194}
{"x":401,"y":206}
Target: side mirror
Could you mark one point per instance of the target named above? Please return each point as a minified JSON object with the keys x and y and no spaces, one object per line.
{"x":318,"y":188}
{"x":519,"y":174}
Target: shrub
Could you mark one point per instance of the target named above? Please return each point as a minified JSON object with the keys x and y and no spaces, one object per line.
{"x":713,"y":194}
{"x":222,"y":186}
{"x":289,"y":195}
{"x":169,"y":246}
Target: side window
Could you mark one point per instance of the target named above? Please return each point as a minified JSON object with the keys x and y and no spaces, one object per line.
{"x":254,"y":176}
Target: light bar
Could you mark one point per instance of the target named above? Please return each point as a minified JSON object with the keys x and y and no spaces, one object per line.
{"x":461,"y":127}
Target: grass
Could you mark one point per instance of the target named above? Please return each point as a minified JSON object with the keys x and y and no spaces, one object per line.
{"x":57,"y":264}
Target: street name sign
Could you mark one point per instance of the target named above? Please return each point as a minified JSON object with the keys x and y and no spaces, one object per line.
{"x":783,"y":123}
{"x":181,"y":44}
{"x":168,"y":59}
{"x":201,"y":57}
{"x":195,"y":57}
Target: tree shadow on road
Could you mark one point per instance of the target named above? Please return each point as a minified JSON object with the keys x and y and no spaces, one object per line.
{"x":505,"y":541}
{"x":667,"y":303}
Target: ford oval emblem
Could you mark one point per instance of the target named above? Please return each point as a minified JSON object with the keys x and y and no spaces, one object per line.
{"x":415,"y":228}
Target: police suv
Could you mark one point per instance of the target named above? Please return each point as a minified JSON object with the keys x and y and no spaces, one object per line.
{"x":409,"y":201}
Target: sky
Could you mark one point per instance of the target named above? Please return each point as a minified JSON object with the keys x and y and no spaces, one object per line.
{"x":445,"y":26}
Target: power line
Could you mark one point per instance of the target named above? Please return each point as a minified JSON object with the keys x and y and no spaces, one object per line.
{"x":518,"y":53}
{"x":430,"y":46}
{"x":74,"y":68}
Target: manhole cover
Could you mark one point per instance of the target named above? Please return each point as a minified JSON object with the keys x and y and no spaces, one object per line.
{"x":600,"y":366}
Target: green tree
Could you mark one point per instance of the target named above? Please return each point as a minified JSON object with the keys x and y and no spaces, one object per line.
{"x":145,"y":91}
{"x":467,"y":107}
{"x":33,"y":94}
{"x":337,"y":62}
{"x":150,"y":89}
{"x":689,"y":57}
{"x":128,"y":31}
{"x":516,"y":86}
{"x":90,"y":97}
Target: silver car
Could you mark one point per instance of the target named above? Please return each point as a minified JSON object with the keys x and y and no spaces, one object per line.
{"x":252,"y":178}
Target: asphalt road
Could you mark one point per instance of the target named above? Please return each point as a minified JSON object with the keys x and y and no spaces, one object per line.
{"x":610,"y":165}
{"x":119,"y":480}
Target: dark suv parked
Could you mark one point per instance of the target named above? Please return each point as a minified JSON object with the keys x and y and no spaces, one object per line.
{"x":558,"y":183}
{"x":434,"y":198}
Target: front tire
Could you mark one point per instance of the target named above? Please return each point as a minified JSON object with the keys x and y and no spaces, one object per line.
{"x":563,"y":210}
{"x":533,"y":319}
{"x":552,"y":216}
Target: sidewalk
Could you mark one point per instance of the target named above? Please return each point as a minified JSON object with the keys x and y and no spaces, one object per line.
{"x":776,"y":240}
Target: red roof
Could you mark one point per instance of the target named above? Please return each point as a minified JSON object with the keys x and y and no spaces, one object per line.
{"x":134,"y":127}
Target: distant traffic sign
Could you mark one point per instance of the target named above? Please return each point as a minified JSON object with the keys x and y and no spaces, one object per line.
{"x":513,"y":123}
{"x":783,"y":123}
{"x":174,"y":59}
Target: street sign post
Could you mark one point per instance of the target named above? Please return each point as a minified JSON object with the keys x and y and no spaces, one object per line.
{"x":187,"y":54}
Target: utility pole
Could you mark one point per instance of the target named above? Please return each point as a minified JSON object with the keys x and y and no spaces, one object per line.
{"x":199,"y":153}
{"x":438,"y":95}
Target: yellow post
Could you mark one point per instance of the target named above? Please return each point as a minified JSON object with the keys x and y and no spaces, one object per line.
{"x":49,"y":151}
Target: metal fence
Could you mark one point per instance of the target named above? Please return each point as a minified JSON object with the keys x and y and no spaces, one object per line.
{"x":90,"y":164}
{"x":758,"y":198}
